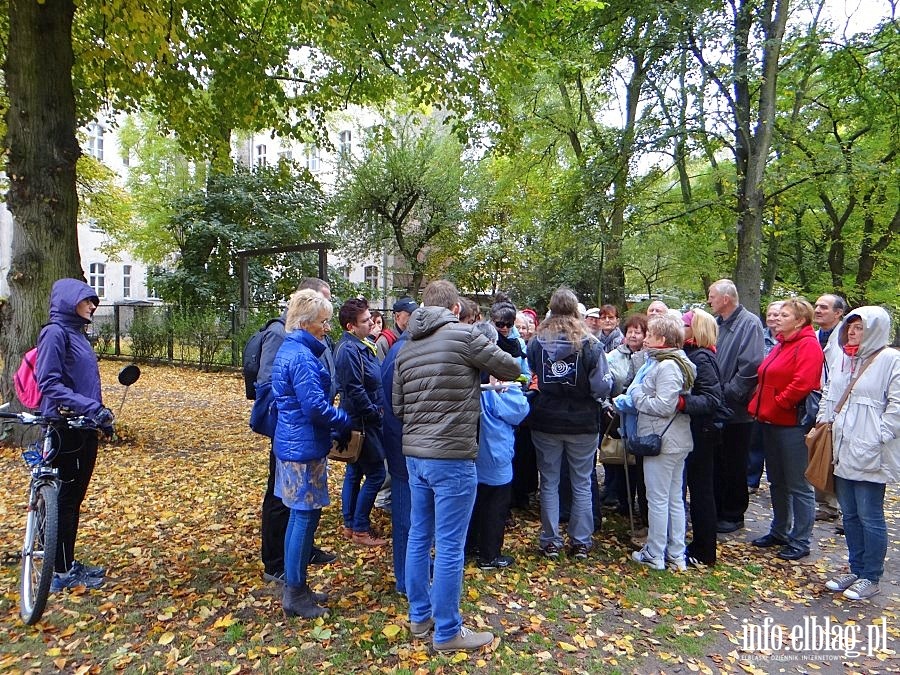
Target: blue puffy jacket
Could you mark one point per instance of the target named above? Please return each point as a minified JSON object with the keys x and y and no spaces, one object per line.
{"x":67,"y":371}
{"x":306,"y":418}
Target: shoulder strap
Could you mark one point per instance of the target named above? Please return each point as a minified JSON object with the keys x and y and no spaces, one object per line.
{"x":846,"y":393}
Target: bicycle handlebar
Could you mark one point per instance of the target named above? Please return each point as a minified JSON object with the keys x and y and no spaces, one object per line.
{"x":79,"y":422}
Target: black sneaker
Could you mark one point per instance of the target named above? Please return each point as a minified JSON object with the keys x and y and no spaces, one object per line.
{"x":501,"y":562}
{"x":275,"y":577}
{"x":320,"y":557}
{"x":578,"y":551}
{"x":551,"y":550}
{"x":89,"y":570}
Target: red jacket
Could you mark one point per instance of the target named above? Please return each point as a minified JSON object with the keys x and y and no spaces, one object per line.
{"x":790,"y":371}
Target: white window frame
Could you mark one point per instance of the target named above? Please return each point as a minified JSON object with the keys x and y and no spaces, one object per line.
{"x":94,"y":147}
{"x":97,"y":278}
{"x":345,"y":142}
{"x":313,"y":160}
{"x":260,"y":159}
{"x":370,"y":274}
{"x":126,"y":281}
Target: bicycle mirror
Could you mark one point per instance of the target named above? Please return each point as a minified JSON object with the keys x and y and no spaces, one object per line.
{"x":129,"y":375}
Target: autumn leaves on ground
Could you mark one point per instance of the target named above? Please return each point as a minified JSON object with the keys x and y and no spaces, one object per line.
{"x":173,"y":510}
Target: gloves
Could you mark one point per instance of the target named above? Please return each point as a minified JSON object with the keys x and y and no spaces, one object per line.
{"x":104,"y":421}
{"x":341,"y":436}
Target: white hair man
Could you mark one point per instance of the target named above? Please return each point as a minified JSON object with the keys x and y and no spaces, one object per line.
{"x":739,"y":351}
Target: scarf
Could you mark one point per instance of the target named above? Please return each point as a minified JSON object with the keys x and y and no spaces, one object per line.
{"x":851,"y":350}
{"x":679,"y":357}
{"x":510,"y":345}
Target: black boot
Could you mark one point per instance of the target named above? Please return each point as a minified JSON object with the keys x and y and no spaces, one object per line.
{"x":318,"y":598}
{"x":297,"y":601}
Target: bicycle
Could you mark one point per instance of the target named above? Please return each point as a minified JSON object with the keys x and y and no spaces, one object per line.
{"x":38,"y":556}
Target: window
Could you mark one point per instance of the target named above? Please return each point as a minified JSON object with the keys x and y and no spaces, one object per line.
{"x":126,"y":281}
{"x":286,"y":155}
{"x":97,"y":279}
{"x":345,"y":145}
{"x":261,"y":155}
{"x":371,"y":274}
{"x":95,"y":141}
{"x":312,"y":158}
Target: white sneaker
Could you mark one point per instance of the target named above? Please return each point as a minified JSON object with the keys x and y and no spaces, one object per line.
{"x":677,"y":564}
{"x":642,"y":558}
{"x":841,"y":582}
{"x":862,"y":590}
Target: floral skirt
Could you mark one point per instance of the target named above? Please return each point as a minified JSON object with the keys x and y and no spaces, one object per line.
{"x":302,"y":485}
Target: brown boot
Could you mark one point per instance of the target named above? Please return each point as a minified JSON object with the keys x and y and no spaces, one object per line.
{"x":367,"y":539}
{"x":298,"y":601}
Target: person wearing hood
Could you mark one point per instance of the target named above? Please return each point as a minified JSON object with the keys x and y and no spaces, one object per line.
{"x":573,"y":379}
{"x":653,"y":397}
{"x":786,"y":377}
{"x":865,"y":441}
{"x":435,"y":395}
{"x":68,"y":377}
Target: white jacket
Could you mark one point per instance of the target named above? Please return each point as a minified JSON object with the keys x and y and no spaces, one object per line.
{"x":866,"y":432}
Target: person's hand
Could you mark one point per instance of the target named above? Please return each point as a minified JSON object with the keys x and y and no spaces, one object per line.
{"x":104,"y":421}
{"x":341,"y":436}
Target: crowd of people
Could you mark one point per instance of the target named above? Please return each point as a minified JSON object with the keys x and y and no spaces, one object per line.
{"x":466,"y":417}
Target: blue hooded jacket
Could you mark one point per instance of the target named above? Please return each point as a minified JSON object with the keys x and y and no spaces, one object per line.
{"x":67,"y":371}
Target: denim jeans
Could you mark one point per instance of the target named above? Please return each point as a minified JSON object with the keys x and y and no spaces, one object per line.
{"x":442,"y":493}
{"x":298,"y":541}
{"x":580,"y":450}
{"x":864,"y":526}
{"x":400,"y":508}
{"x":356,"y":501}
{"x":663,"y":476}
{"x":793,"y":498}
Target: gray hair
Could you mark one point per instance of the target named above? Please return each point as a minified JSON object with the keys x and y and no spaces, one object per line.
{"x":487,"y":329}
{"x":670,"y":329}
{"x":727,"y":287}
{"x":304,"y":308}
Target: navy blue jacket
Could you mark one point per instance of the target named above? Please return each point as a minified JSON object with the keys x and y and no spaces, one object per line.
{"x":359,"y":379}
{"x":67,"y":371}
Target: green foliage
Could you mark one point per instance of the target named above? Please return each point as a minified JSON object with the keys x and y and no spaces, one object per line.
{"x":149,"y":336}
{"x":405,"y":195}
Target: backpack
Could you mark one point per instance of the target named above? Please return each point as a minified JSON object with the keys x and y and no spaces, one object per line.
{"x":389,"y":336}
{"x":251,"y":357}
{"x":25,"y":379}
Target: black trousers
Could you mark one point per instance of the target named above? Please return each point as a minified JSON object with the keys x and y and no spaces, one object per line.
{"x":489,"y":520}
{"x":76,"y":460}
{"x":275,"y":517}
{"x":732,"y":497}
{"x":525,"y":471}
{"x":700,"y":482}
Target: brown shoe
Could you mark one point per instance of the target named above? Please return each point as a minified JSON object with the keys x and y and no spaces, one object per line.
{"x":348,"y":533}
{"x":366,"y":539}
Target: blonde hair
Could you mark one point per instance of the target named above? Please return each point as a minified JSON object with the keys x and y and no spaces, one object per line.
{"x":670,"y":329}
{"x":304,"y":308}
{"x":800,"y":308}
{"x":565,"y":319}
{"x":704,"y":328}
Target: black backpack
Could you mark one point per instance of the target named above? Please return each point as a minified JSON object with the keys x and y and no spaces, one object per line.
{"x":251,"y":358}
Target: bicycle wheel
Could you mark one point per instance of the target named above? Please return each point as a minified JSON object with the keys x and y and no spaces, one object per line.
{"x":38,"y":554}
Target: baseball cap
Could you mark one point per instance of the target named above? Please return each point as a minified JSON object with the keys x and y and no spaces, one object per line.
{"x":405,"y":304}
{"x":593,"y":312}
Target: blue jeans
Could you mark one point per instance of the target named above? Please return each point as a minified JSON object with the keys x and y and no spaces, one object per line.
{"x":793,"y":498}
{"x":442,"y":493}
{"x":580,"y":450}
{"x":864,"y":526}
{"x":400,"y":510}
{"x":298,"y":541}
{"x":356,"y":501}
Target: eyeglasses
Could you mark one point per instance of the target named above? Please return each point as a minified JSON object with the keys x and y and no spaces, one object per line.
{"x":503,"y":324}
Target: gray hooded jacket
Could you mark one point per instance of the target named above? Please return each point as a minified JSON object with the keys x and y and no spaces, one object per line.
{"x":866,"y":432}
{"x":436,"y":391}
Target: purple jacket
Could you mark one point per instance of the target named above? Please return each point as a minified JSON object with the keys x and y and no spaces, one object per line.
{"x":67,"y":369}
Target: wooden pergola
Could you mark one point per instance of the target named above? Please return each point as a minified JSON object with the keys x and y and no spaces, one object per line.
{"x":243,"y":269}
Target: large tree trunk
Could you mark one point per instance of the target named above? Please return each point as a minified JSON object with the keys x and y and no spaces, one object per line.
{"x":43,"y":151}
{"x":753,"y":152}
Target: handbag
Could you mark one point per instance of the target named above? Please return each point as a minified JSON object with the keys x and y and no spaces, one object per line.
{"x":820,"y":463}
{"x":612,"y":450}
{"x":649,"y":445}
{"x":350,"y":451}
{"x":808,"y":409}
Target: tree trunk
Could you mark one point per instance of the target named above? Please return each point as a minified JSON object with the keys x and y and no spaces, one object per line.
{"x":753,"y":152}
{"x":43,"y":152}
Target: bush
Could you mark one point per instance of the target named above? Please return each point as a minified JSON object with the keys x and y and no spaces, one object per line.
{"x":149,"y":337}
